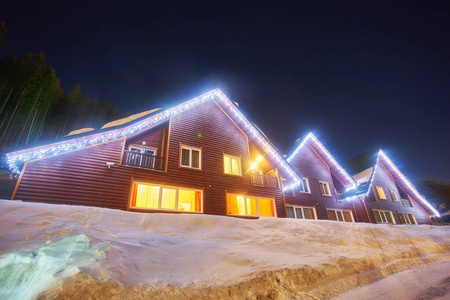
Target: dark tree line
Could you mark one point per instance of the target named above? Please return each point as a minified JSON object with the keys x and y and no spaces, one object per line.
{"x":33,"y":107}
{"x":438,"y":192}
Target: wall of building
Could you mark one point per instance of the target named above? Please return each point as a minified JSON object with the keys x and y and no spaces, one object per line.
{"x":383,"y":179}
{"x":309,"y":165}
{"x":83,"y":178}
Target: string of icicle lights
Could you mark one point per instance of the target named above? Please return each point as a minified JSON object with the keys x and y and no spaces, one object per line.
{"x":351,"y":183}
{"x":381,"y":154}
{"x":39,"y":152}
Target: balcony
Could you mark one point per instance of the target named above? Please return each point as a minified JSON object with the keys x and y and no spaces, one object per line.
{"x":264,"y":180}
{"x":141,"y":160}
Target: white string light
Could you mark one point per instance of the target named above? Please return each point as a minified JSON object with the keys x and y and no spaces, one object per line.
{"x":324,"y":152}
{"x":77,"y":143}
{"x":402,"y":177}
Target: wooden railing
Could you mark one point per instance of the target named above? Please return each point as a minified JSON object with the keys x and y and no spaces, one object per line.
{"x":147,"y":161}
{"x":264,"y":180}
{"x":406,"y":202}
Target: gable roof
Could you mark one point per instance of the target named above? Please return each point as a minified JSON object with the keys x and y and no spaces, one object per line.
{"x":335,"y":167}
{"x":367,"y":164}
{"x":69,"y":143}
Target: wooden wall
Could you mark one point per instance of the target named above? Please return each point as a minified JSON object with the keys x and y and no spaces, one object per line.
{"x":83,"y":178}
{"x":383,"y":178}
{"x":309,"y":165}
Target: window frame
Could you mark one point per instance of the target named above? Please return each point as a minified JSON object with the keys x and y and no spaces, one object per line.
{"x":257,"y":206}
{"x":406,"y":216}
{"x":305,"y":179}
{"x":378,"y":192}
{"x":177,"y":188}
{"x":231,"y":167}
{"x":383,"y":211}
{"x":342,"y":214}
{"x":190,"y":148}
{"x":394,"y":195}
{"x":291,"y":190}
{"x":303,"y":211}
{"x":328,"y":188}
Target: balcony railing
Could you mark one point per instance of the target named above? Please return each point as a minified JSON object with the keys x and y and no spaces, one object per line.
{"x":406,"y":202}
{"x":264,"y":180}
{"x":147,"y":161}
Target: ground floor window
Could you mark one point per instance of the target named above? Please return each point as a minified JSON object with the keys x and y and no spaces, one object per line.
{"x":300,"y":212}
{"x":407,"y":218}
{"x":150,"y":196}
{"x":340,"y":215}
{"x":383,"y":216}
{"x":250,"y":206}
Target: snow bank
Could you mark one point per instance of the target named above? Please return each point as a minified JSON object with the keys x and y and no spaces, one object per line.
{"x":25,"y":274}
{"x":168,"y":255}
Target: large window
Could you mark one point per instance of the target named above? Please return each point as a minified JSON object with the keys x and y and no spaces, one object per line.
{"x":407,"y":218}
{"x":304,"y":186}
{"x":250,"y":206}
{"x":340,"y":215}
{"x":231,"y":164}
{"x":300,"y":212}
{"x":190,"y":157}
{"x":383,"y":216}
{"x":394,"y":195}
{"x":324,"y":188}
{"x":380,"y":192}
{"x":149,"y":196}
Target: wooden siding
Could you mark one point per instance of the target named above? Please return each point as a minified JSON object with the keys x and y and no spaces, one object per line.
{"x":309,"y":165}
{"x":383,"y":179}
{"x":83,"y":178}
{"x":153,"y":139}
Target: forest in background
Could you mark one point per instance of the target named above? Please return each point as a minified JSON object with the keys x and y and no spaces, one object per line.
{"x":34,"y":107}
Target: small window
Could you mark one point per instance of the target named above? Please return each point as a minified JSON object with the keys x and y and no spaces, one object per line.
{"x":407,"y":202}
{"x":324,"y":188}
{"x":380,"y":192}
{"x":383,"y":216}
{"x":149,"y":196}
{"x":190,"y":157}
{"x":250,"y":206}
{"x":394,"y":195}
{"x":289,"y":192}
{"x":299,"y":212}
{"x":407,"y":218}
{"x":304,"y":186}
{"x":231,"y":164}
{"x":340,"y":215}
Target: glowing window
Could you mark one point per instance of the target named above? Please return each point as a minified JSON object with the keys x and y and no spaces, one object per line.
{"x":249,"y":206}
{"x":299,"y":212}
{"x":383,"y":216}
{"x":190,"y":157}
{"x":324,"y":188}
{"x":167,"y":198}
{"x":231,"y":164}
{"x":380,"y":192}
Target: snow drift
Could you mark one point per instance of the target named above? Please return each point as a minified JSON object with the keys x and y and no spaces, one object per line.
{"x":138,"y":255}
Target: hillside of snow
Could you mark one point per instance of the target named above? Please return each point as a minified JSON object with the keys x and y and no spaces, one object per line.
{"x":60,"y":251}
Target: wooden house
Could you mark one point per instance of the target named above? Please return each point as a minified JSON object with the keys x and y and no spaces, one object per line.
{"x":388,"y":196}
{"x":324,"y":184}
{"x":201,"y":156}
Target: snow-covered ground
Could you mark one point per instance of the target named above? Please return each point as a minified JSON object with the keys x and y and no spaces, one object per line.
{"x":79,"y":252}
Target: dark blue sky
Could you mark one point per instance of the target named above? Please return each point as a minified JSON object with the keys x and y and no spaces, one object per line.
{"x":361,"y":75}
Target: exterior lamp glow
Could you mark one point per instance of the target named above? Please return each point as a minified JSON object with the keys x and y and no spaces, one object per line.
{"x":253,"y":165}
{"x":259,"y":158}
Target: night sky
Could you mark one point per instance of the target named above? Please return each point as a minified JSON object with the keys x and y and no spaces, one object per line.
{"x":360,"y":76}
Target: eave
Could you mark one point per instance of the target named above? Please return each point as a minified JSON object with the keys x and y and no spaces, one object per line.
{"x":78,"y":142}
